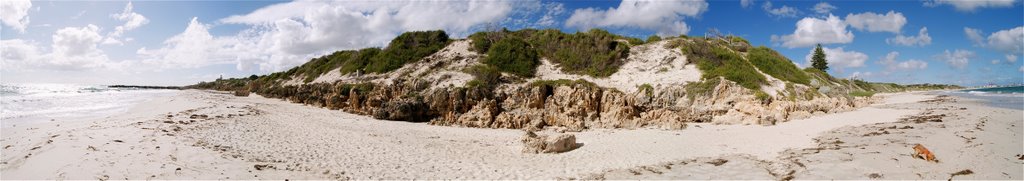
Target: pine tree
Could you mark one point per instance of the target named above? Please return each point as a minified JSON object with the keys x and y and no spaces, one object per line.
{"x":818,"y":61}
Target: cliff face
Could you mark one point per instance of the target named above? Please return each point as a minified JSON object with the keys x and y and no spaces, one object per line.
{"x":436,"y":89}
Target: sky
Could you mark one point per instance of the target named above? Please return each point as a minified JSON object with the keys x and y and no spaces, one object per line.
{"x":968,"y":43}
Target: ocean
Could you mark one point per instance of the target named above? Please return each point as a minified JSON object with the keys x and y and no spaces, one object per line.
{"x":1004,"y":97}
{"x":33,"y":103}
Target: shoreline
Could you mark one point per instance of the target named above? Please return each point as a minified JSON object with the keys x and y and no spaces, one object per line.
{"x":262,"y":138}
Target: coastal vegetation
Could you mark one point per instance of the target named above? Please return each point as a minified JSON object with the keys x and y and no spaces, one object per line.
{"x":772,"y":63}
{"x":406,"y":48}
{"x":513,"y":55}
{"x":716,"y":60}
{"x":596,"y":52}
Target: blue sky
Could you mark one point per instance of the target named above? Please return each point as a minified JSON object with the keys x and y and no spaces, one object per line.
{"x":183,"y":42}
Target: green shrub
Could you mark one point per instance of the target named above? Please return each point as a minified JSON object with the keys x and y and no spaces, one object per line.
{"x":772,"y":63}
{"x":653,"y":38}
{"x":358,"y":60}
{"x":513,"y":55}
{"x":484,"y":75}
{"x":407,"y":48}
{"x":763,"y":97}
{"x":646,"y":89}
{"x":717,"y":61}
{"x":702,"y":88}
{"x":595,"y":53}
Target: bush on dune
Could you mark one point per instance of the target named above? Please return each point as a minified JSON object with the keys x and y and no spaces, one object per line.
{"x":407,"y":48}
{"x":714,"y":60}
{"x":513,"y":55}
{"x":596,"y":52}
{"x":772,"y":63}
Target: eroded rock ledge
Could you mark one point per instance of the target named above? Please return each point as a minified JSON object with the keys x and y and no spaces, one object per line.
{"x":575,"y":107}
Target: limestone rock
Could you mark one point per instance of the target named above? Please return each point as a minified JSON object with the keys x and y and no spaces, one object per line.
{"x":482,"y":115}
{"x":533,"y":143}
{"x":572,"y":106}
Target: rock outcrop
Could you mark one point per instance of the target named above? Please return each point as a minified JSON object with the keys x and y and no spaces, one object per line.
{"x":533,"y":143}
{"x":435,"y":90}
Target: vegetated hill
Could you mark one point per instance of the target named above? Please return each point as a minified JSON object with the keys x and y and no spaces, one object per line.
{"x":530,"y":79}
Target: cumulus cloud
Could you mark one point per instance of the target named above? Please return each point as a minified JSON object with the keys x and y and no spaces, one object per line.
{"x":1009,"y":41}
{"x":72,"y":48}
{"x":810,"y":31}
{"x":14,"y":13}
{"x":957,"y":59}
{"x":192,"y":48}
{"x":16,"y":52}
{"x":663,"y":17}
{"x":970,"y":5}
{"x":872,"y":22}
{"x":288,"y":34}
{"x":921,"y":39}
{"x":784,"y":11}
{"x":1011,"y":58}
{"x":552,"y":10}
{"x":823,"y":8}
{"x":839,"y":58}
{"x":892,"y":64}
{"x":131,"y":20}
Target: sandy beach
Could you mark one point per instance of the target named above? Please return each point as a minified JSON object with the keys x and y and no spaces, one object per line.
{"x":207,"y":135}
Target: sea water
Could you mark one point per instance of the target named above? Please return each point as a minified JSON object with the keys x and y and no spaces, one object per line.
{"x":1004,"y":97}
{"x":33,"y":103}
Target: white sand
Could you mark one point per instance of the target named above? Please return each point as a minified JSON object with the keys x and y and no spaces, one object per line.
{"x":305,"y":142}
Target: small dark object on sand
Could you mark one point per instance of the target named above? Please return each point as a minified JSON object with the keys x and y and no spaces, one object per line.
{"x":718,"y":162}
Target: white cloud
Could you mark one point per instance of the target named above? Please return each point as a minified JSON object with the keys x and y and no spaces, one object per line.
{"x":131,"y":19}
{"x":974,"y":35}
{"x":551,"y":11}
{"x":921,"y":39}
{"x":970,"y":5}
{"x":957,"y":59}
{"x":16,"y":52}
{"x":72,"y":48}
{"x":839,"y":58}
{"x":663,"y":17}
{"x":288,"y":34}
{"x":810,"y":31}
{"x":194,"y":47}
{"x":14,"y":13}
{"x":1009,"y":41}
{"x":823,"y":8}
{"x":784,"y":11}
{"x":1011,"y":58}
{"x":872,"y":22}
{"x":1021,"y":69}
{"x":891,"y":64}
{"x":746,"y":3}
